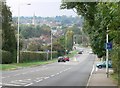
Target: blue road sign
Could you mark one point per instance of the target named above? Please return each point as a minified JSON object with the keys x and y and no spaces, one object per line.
{"x":109,"y":46}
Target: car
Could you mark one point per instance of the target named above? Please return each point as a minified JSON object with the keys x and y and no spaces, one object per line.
{"x":80,"y":52}
{"x":61,"y":59}
{"x":103,"y":64}
{"x":66,"y":58}
{"x":91,"y":52}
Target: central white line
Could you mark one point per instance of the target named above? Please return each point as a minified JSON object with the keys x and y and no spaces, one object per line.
{"x":39,"y":80}
{"x":52,"y":75}
{"x":46,"y":77}
{"x":10,"y":84}
{"x":58,"y":73}
{"x":16,"y":82}
{"x":29,"y":84}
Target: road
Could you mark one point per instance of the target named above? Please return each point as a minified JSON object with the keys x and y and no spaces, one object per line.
{"x":73,"y":73}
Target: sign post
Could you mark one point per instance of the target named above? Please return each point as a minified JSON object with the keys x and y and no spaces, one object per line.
{"x":108,"y":47}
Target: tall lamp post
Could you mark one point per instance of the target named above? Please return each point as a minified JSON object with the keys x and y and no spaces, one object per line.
{"x":51,"y":43}
{"x":107,"y":69}
{"x":18,"y":37}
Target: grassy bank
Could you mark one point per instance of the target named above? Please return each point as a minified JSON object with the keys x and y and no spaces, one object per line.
{"x":14,"y":66}
{"x":22,"y":65}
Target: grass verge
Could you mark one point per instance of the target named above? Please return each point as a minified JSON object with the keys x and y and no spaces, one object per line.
{"x":14,"y":66}
{"x":114,"y":77}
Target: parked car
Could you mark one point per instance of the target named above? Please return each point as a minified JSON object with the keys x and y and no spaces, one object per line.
{"x":66,"y":58}
{"x":61,"y":59}
{"x":103,"y":64}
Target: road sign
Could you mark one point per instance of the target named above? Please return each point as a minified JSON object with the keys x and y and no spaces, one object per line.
{"x":109,"y":45}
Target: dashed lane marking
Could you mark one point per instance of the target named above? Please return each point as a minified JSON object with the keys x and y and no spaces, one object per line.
{"x":52,"y":75}
{"x":38,"y":80}
{"x":6,"y":84}
{"x":46,"y":77}
{"x":29,"y":84}
{"x":19,"y":82}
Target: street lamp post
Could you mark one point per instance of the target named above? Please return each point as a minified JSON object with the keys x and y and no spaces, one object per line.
{"x":107,"y":70}
{"x":51,"y":44}
{"x":18,"y":37}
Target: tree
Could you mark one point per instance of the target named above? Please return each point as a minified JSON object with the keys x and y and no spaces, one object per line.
{"x":8,"y":32}
{"x":69,"y":40}
{"x":100,"y":17}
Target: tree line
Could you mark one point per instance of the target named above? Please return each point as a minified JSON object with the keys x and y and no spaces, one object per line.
{"x":101,"y":18}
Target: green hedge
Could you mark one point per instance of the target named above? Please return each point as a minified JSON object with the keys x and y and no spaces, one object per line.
{"x":28,"y":56}
{"x":6,"y":57}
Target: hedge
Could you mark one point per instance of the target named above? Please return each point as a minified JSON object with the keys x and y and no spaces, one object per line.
{"x":28,"y":56}
{"x":6,"y":57}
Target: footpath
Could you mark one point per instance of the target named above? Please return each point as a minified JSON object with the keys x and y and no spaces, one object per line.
{"x":99,"y":78}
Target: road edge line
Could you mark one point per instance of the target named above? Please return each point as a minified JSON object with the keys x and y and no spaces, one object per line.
{"x":90,"y":76}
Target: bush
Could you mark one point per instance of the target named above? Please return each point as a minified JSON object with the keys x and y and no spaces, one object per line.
{"x":28,"y":56}
{"x":6,"y":57}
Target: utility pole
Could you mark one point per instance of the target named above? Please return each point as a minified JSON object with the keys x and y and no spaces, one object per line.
{"x":107,"y":70}
{"x":51,"y":43}
{"x":18,"y":31}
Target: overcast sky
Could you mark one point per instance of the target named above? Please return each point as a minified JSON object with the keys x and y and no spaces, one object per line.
{"x":43,"y":8}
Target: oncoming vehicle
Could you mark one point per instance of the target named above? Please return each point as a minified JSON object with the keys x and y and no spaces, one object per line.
{"x":103,"y":64}
{"x":80,"y":52}
{"x":66,"y":58}
{"x":61,"y":59}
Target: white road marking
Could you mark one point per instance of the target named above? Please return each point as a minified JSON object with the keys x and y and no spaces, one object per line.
{"x":24,"y":80}
{"x":18,"y":82}
{"x":29,"y":84}
{"x":52,"y":75}
{"x":39,"y":80}
{"x":46,"y":77}
{"x":6,"y":84}
{"x":90,"y":76}
{"x":58,"y":73}
{"x":96,"y":69}
{"x":69,"y":68}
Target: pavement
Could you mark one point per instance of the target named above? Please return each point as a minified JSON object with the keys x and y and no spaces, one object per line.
{"x":99,"y":77}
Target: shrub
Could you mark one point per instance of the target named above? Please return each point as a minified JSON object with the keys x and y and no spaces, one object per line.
{"x":6,"y":57}
{"x":28,"y":56}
